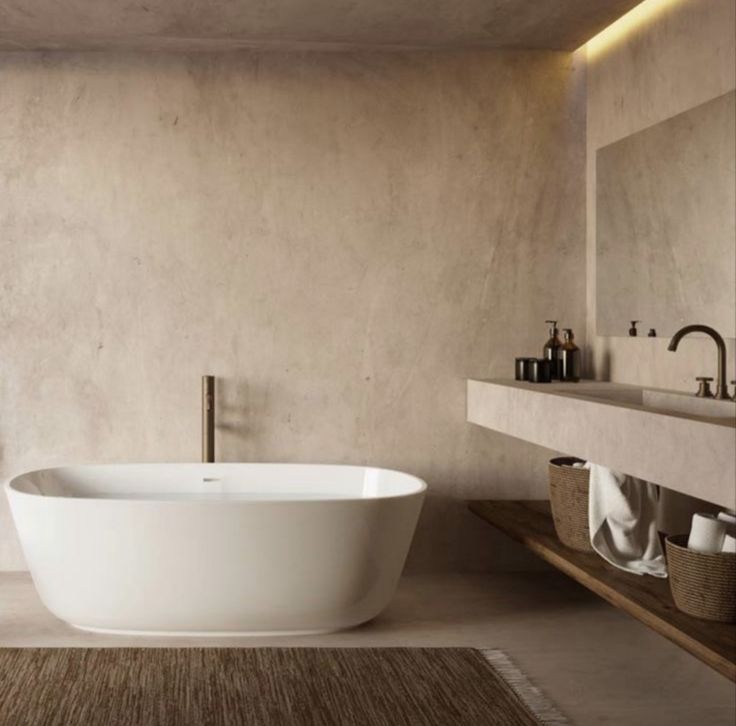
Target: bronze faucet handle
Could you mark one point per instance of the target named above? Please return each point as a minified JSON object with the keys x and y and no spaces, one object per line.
{"x":704,"y":388}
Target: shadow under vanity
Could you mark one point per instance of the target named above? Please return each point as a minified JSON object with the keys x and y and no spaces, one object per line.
{"x":665,"y":256}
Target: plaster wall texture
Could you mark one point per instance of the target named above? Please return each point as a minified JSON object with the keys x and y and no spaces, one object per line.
{"x":678,"y":59}
{"x":342,"y":239}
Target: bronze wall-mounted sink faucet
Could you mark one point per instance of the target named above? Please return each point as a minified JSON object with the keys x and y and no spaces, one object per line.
{"x":721,"y":388}
{"x":208,"y":419}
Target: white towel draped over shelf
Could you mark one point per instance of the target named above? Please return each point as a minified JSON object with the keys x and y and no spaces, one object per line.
{"x":622,"y":515}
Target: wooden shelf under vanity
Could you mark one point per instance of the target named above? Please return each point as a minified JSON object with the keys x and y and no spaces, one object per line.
{"x":646,"y":598}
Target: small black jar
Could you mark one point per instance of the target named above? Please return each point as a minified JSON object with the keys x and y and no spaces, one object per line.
{"x":522,"y":368}
{"x":540,"y":370}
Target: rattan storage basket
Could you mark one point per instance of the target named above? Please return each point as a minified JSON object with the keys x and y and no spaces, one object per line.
{"x":568,"y":495}
{"x":703,"y":584}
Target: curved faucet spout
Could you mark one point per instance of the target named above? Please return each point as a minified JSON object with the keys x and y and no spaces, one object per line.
{"x":721,"y":390}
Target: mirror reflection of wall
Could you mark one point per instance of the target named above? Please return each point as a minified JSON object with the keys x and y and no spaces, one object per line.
{"x":666,"y":224}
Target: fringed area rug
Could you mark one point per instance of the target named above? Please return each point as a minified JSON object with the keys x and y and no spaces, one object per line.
{"x":267,"y":687}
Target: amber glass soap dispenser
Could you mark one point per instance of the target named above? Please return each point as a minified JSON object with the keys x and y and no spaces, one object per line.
{"x":570,"y":358}
{"x":552,"y":349}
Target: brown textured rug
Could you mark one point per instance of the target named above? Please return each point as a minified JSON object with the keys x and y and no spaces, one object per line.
{"x":266,"y":687}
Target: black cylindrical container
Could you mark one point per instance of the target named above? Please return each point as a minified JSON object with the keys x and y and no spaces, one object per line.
{"x":540,"y":370}
{"x":522,"y":369}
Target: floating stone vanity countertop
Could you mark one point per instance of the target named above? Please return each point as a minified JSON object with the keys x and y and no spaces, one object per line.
{"x":666,"y":437}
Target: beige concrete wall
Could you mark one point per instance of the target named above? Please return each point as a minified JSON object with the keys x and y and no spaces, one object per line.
{"x":341,"y":239}
{"x":677,"y":58}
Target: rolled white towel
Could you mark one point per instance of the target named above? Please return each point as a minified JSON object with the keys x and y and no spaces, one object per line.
{"x":730,"y":519}
{"x":729,"y":544}
{"x":706,"y":533}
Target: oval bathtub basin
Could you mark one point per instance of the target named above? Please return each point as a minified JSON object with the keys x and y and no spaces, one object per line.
{"x":215,"y":548}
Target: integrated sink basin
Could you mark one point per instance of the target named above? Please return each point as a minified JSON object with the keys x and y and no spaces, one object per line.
{"x":673,"y":439}
{"x":662,"y":401}
{"x":690,"y":405}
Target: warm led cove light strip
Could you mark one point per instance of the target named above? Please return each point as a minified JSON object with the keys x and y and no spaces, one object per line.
{"x":637,"y":17}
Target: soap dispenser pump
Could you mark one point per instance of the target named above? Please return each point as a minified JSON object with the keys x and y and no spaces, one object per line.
{"x":570,"y":358}
{"x":551,"y":350}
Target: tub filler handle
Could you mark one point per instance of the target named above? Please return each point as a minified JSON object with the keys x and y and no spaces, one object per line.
{"x":208,"y":419}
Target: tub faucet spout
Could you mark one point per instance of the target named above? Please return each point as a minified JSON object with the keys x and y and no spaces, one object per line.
{"x":721,"y":389}
{"x":208,"y":419}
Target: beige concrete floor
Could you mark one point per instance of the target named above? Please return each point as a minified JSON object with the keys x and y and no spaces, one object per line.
{"x":599,"y":665}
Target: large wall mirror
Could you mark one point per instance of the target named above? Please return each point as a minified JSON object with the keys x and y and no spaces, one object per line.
{"x":666,"y":224}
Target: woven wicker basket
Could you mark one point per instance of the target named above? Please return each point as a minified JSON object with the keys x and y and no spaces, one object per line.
{"x":703,"y":584}
{"x":568,"y":495}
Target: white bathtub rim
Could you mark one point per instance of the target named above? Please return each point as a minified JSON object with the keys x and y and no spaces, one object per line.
{"x":11,"y":488}
{"x":212,"y":633}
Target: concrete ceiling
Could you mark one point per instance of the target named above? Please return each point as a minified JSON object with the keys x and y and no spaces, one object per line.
{"x":214,"y":25}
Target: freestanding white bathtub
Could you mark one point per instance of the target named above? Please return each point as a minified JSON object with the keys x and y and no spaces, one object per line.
{"x":215,"y":548}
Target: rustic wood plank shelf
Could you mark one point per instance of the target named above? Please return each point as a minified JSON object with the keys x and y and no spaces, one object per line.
{"x":646,"y":598}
